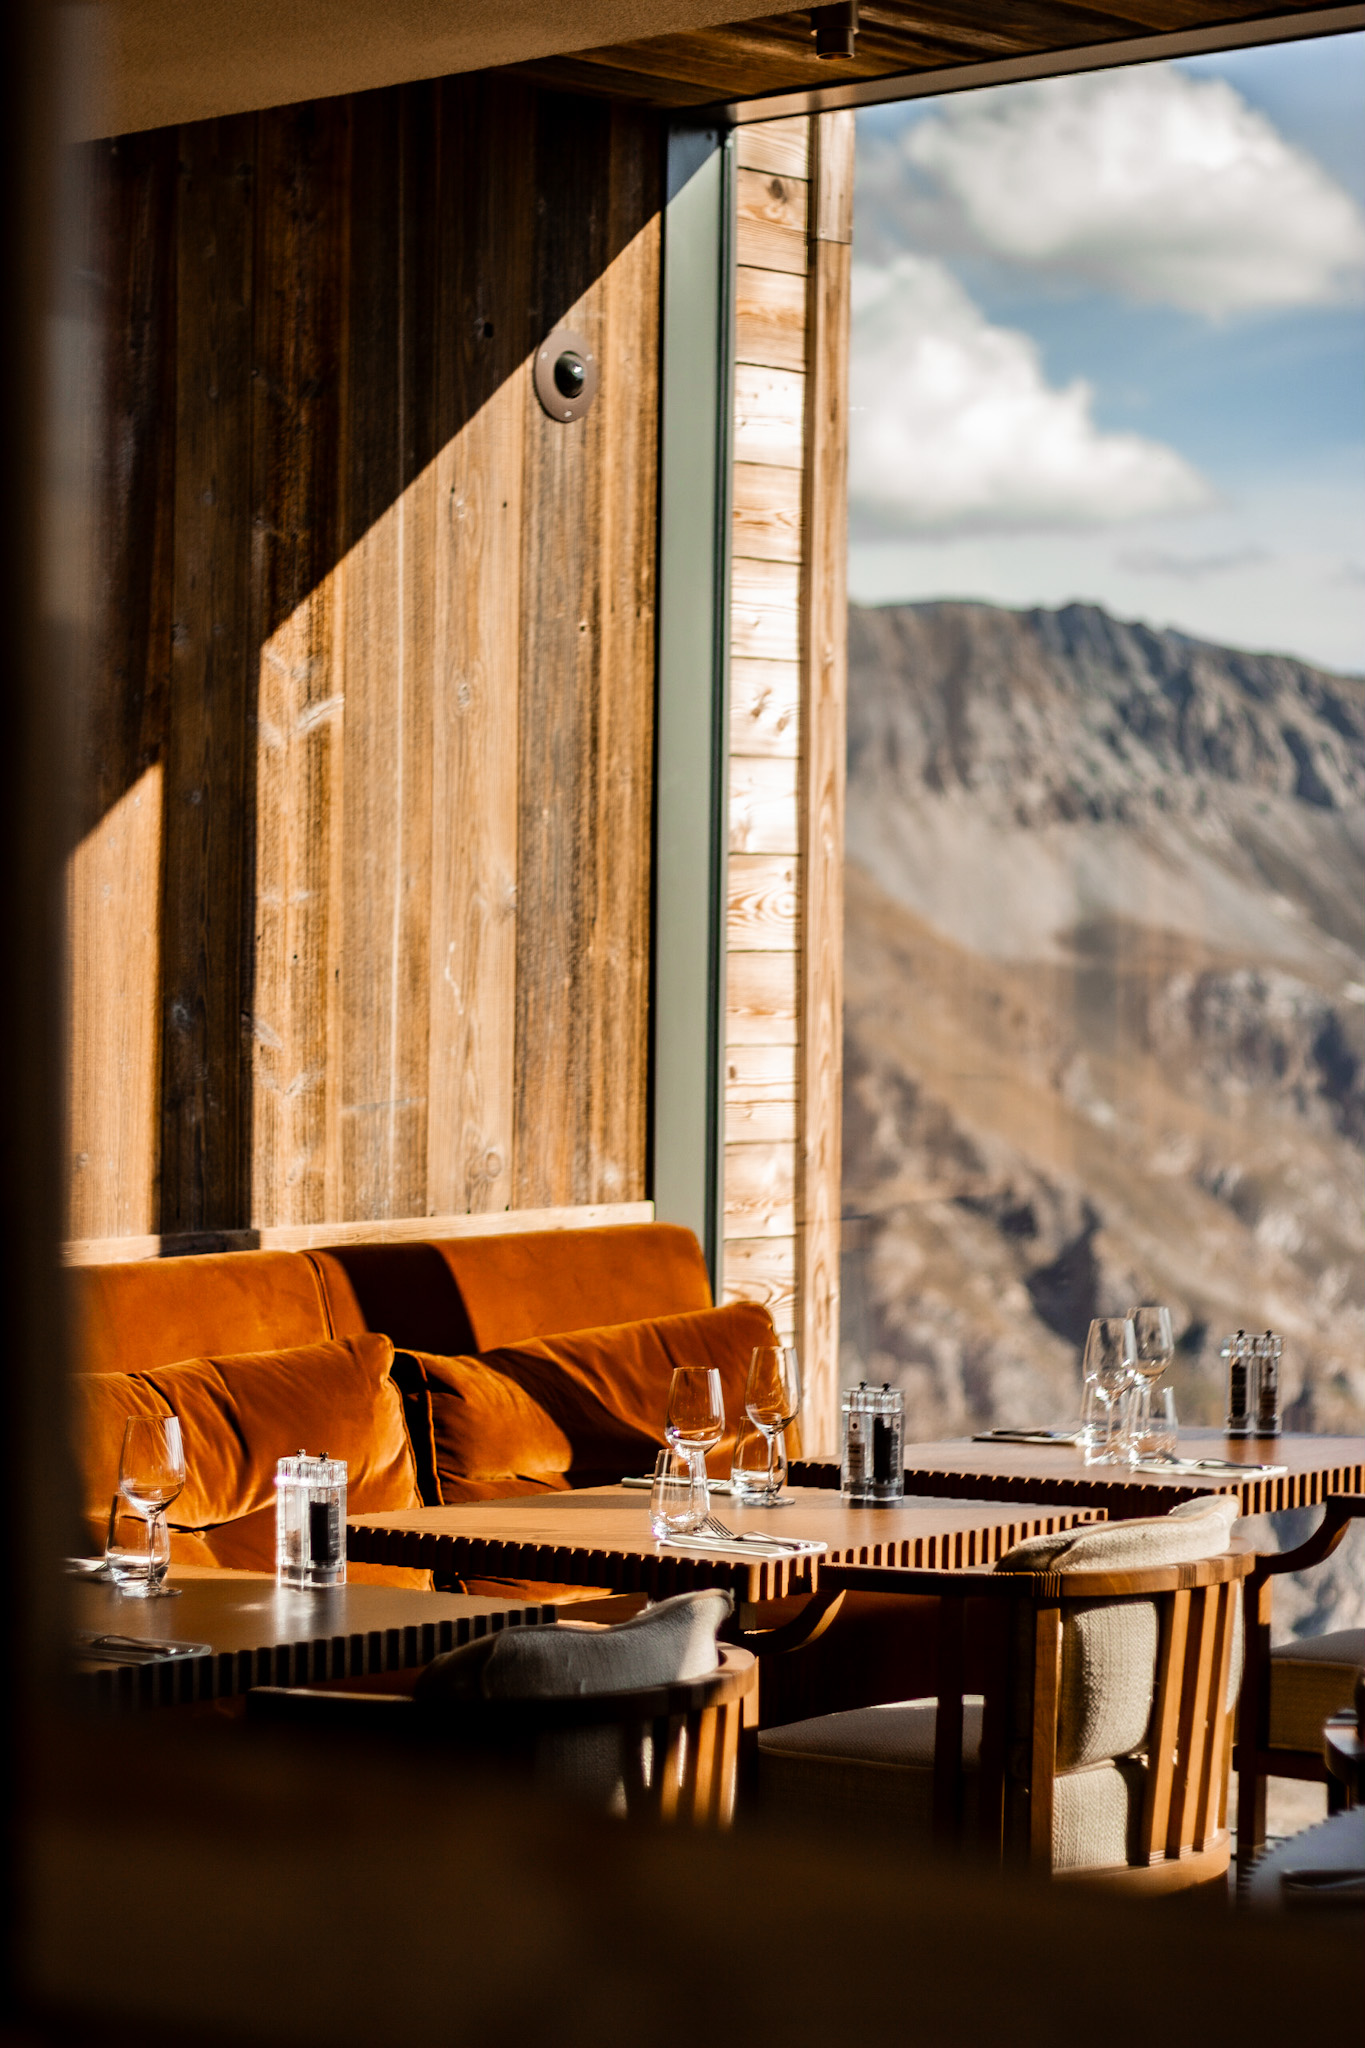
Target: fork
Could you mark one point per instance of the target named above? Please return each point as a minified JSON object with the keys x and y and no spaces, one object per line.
{"x":712,"y":1526}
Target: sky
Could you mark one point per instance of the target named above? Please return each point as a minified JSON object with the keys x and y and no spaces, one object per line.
{"x":1109,"y":345}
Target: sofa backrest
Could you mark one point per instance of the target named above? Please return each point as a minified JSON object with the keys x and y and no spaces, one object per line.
{"x":453,"y":1297}
{"x":469,"y":1294}
{"x":154,"y":1312}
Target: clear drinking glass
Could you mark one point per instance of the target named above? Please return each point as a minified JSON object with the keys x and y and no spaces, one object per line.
{"x":135,"y":1549}
{"x":751,"y":1467}
{"x":678,"y":1502}
{"x":151,"y":1475}
{"x":695,"y":1422}
{"x":1110,"y":1360}
{"x":1155,"y":1430}
{"x":1155,"y":1350}
{"x":772,"y":1401}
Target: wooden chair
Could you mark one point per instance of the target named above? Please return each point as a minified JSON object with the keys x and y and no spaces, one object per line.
{"x":670,"y":1753}
{"x":1289,"y":1692}
{"x":1024,"y":1804}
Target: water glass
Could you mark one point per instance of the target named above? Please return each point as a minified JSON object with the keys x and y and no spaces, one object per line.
{"x":1154,"y":1430}
{"x":756,"y":1467}
{"x":1109,"y":1371}
{"x":695,"y":1422}
{"x":678,"y":1501}
{"x":137,"y":1553}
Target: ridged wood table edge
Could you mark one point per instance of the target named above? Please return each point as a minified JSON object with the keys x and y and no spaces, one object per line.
{"x":460,"y":1557}
{"x":983,"y":1583}
{"x":309,"y":1660}
{"x":1124,"y":1499}
{"x":958,"y":1549}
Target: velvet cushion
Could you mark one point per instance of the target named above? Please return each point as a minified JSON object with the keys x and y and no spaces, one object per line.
{"x":238,"y":1416}
{"x":588,"y":1407}
{"x":465,"y":1295}
{"x":152,"y":1312}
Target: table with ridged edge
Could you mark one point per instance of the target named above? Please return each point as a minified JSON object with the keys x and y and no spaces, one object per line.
{"x":263,"y":1635}
{"x":600,"y":1536}
{"x":1317,"y":1466}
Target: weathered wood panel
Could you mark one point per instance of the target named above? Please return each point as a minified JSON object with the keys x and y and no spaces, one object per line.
{"x":764,"y":796}
{"x":760,"y":1073}
{"x":762,"y":999}
{"x":764,"y":199}
{"x":764,"y":1269}
{"x":778,"y":146}
{"x":385,"y":635}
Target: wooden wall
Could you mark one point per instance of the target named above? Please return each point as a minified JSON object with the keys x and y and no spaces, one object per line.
{"x":787,"y":689}
{"x":359,"y":893}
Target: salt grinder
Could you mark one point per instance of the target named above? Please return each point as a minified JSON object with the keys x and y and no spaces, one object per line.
{"x":874,"y":1427}
{"x":310,"y":1521}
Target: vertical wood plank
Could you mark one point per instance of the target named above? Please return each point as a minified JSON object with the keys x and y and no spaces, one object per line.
{"x":300,"y":685}
{"x":1161,"y":1757}
{"x":487,"y":199}
{"x":114,"y":871}
{"x":208,"y":774}
{"x":824,"y":692}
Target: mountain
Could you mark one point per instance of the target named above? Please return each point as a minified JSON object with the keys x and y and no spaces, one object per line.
{"x":1105,"y":1008}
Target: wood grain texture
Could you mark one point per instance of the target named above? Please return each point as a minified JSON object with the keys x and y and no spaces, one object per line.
{"x":761,"y":1190}
{"x":763,"y":1269}
{"x":765,"y":707}
{"x":769,"y":407}
{"x":206,"y":899}
{"x":761,"y":999}
{"x":761,"y":1073}
{"x":761,"y":1123}
{"x":475,"y":737}
{"x":764,"y":903}
{"x":770,"y":318}
{"x":782,"y":147}
{"x":587,"y":689}
{"x":349,"y":569}
{"x":766,"y":510}
{"x":824,"y":642}
{"x":764,"y":805}
{"x":302,"y":1237}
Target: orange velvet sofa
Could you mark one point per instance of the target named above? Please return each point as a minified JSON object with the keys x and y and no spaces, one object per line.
{"x":468,"y":1368}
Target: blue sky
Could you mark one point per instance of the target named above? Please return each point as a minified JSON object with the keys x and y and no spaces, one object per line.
{"x":1109,"y":343}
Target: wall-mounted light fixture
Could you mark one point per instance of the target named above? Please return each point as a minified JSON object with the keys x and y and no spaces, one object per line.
{"x":566,"y":375}
{"x":835,"y":29}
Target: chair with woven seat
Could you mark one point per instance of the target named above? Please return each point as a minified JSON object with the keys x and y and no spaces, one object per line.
{"x":1294,"y":1688}
{"x":640,"y":1719}
{"x":1101,"y":1744}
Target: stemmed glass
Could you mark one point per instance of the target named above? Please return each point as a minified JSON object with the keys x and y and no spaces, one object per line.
{"x":1155,"y":1350}
{"x":151,"y":1474}
{"x":772,"y":1401}
{"x":695,"y":1422}
{"x":1110,"y":1358}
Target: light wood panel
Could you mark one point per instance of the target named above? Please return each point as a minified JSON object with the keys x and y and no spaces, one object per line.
{"x":386,"y":634}
{"x":784,"y":926}
{"x":824,"y":640}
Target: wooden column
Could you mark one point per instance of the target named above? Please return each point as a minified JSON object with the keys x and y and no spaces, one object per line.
{"x":788,"y":633}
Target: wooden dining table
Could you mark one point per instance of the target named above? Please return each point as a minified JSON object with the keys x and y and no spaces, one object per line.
{"x":601,"y":1536}
{"x":1055,"y":1474}
{"x":247,"y":1631}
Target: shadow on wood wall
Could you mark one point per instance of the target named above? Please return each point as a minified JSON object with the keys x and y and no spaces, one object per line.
{"x":359,"y":895}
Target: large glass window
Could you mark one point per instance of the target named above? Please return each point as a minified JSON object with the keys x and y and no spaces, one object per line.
{"x":1105,"y":1014}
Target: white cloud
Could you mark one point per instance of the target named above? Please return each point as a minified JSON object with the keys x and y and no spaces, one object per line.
{"x":1167,"y":188}
{"x":955,"y":428}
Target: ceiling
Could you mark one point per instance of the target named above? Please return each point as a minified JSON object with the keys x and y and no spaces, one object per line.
{"x":772,"y":60}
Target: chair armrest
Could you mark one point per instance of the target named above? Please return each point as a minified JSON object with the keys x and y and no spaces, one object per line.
{"x":1341,"y":1510}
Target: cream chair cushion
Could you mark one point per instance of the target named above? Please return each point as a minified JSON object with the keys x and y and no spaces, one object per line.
{"x":667,"y":1644}
{"x":873,"y":1769}
{"x":1310,"y":1680}
{"x":875,"y":1765}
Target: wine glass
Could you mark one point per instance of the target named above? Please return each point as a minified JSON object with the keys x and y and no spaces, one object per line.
{"x":695,"y":1422}
{"x":1110,"y":1358}
{"x":1155,"y":1350}
{"x":772,"y":1400}
{"x":151,"y":1474}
